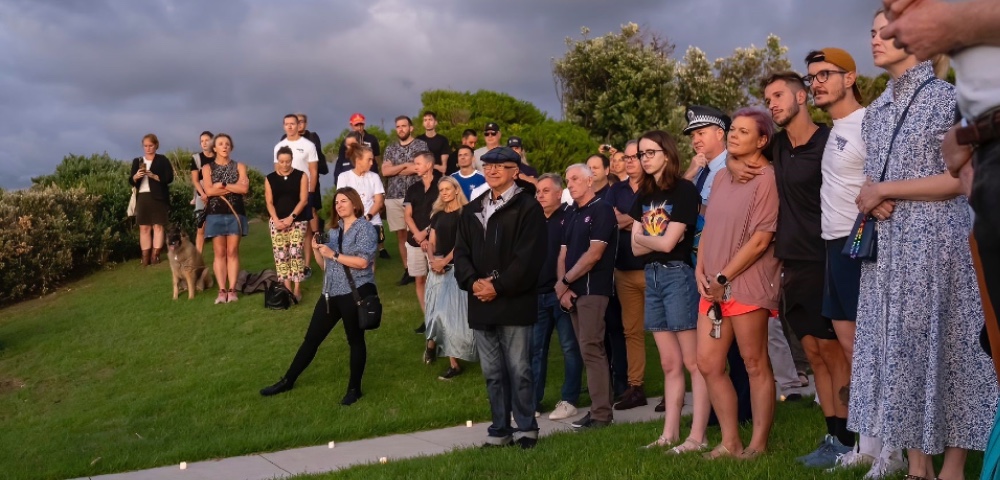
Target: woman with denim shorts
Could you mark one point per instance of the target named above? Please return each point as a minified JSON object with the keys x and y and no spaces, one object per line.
{"x":665,"y":214}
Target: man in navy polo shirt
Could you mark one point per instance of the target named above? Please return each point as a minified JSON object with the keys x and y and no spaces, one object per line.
{"x":585,"y":270}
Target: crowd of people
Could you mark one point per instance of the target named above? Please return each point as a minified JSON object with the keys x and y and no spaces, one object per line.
{"x":732,"y":265}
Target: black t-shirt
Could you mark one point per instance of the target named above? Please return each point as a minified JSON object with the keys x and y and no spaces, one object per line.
{"x":603,"y":191}
{"x":204,"y":161}
{"x":622,"y":198}
{"x":655,"y":211}
{"x":422,"y":202}
{"x":445,"y":226}
{"x":547,"y":276}
{"x":451,"y":166}
{"x":593,"y":222}
{"x":367,"y":140}
{"x":437,"y":145}
{"x":285,"y":191}
{"x":799,"y":176}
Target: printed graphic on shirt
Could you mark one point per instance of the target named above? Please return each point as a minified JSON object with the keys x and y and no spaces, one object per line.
{"x":841,"y":143}
{"x":655,"y":218}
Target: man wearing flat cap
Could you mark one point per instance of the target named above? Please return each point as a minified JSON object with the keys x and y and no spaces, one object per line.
{"x":499,"y":252}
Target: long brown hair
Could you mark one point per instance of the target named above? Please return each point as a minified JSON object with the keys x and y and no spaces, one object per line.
{"x":352,"y":195}
{"x":671,"y":168}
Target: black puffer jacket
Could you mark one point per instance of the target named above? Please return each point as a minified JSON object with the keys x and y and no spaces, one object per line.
{"x":511,"y":248}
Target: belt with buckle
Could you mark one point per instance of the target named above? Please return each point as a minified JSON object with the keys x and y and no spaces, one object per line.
{"x":984,"y":129}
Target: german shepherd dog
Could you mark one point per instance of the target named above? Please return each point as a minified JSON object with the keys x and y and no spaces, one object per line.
{"x":186,"y":263}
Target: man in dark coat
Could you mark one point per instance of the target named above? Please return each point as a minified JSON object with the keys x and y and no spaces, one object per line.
{"x":498,"y":256}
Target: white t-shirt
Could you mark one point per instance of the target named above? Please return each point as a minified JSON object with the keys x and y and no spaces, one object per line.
{"x":977,"y":79}
{"x":303,"y":153}
{"x":367,"y":185}
{"x":476,"y":192}
{"x":144,"y":183}
{"x":843,"y":174}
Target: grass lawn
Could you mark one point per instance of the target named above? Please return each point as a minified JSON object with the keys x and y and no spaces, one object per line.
{"x":109,"y":374}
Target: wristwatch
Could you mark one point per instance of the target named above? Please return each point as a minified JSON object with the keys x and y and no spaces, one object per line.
{"x":721,"y":279}
{"x":565,"y":282}
{"x":336,"y":254}
{"x":368,"y":217}
{"x":293,"y":215}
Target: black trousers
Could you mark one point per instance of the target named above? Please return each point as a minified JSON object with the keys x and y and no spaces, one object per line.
{"x":325,"y":316}
{"x":985,"y":200}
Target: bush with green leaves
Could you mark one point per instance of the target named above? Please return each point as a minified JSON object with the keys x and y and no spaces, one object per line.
{"x":46,"y":235}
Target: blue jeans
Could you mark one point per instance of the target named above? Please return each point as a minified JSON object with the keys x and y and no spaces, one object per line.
{"x":505,"y":356}
{"x":551,"y":318}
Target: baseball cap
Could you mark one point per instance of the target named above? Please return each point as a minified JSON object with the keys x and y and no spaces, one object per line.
{"x":492,"y":127}
{"x":514,"y":142}
{"x":357,"y":118}
{"x":839,"y":58}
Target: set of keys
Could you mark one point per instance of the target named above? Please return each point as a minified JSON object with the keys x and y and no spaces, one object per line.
{"x":715,"y":313}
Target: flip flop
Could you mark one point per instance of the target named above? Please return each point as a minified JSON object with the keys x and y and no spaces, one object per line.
{"x":719,"y":452}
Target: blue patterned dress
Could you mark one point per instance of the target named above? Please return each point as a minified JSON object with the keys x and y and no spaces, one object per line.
{"x":920,"y":379}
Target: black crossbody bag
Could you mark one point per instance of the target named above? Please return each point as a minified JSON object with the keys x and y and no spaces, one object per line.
{"x":370,"y":307}
{"x":863,"y":243}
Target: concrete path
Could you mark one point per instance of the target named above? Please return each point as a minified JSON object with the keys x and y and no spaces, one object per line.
{"x":322,"y":458}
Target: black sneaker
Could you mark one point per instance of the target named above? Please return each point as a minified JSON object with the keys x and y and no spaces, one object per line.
{"x":283,"y":385}
{"x":430,"y":355}
{"x":421,"y":329}
{"x":384,"y":254}
{"x":662,"y":406}
{"x":308,"y":273}
{"x":587,"y":423}
{"x":526,"y":443}
{"x":794,"y":397}
{"x":406,"y":279}
{"x":352,"y":396}
{"x":450,"y":374}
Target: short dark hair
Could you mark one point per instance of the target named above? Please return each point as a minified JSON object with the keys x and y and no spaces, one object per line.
{"x":431,"y":114}
{"x":792,"y":79}
{"x":285,"y":149}
{"x":290,"y":115}
{"x":604,"y":159}
{"x":206,"y":132}
{"x":464,"y":147}
{"x":403,"y":117}
{"x":469,"y":131}
{"x":424,"y":153}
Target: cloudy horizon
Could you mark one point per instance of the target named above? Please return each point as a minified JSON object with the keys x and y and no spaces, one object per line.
{"x":95,"y":76}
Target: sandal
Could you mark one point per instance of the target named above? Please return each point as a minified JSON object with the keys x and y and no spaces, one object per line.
{"x":689,"y":445}
{"x":660,"y":442}
{"x":719,"y":452}
{"x":749,"y":454}
{"x":803,"y":379}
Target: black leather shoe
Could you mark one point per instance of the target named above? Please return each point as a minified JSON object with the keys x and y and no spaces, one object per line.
{"x":352,"y":396}
{"x":526,"y":443}
{"x":384,"y":254}
{"x":283,"y":385}
{"x":633,"y":397}
{"x":406,"y":279}
{"x":421,"y":329}
{"x":662,"y":406}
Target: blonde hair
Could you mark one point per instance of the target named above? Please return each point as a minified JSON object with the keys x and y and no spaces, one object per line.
{"x":440,"y":206}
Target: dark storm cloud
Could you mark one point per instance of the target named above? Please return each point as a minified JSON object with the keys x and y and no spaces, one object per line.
{"x":86,"y":77}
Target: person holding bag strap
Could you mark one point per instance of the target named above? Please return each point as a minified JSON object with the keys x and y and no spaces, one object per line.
{"x":352,"y":243}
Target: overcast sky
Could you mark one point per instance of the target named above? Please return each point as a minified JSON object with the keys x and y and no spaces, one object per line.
{"x":92,"y":76}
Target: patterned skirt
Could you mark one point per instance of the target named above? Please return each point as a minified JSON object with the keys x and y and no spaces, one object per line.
{"x":447,"y":317}
{"x":288,"y":251}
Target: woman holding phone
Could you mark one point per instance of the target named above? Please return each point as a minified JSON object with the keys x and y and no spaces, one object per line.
{"x":351,"y":244}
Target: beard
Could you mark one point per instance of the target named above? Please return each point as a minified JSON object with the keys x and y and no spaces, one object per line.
{"x":831,"y":99}
{"x":790,"y":113}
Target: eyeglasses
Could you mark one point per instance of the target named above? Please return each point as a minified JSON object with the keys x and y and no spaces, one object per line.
{"x":490,"y":134}
{"x":629,"y":158}
{"x":821,"y":76}
{"x":647,"y":153}
{"x":489,"y":167}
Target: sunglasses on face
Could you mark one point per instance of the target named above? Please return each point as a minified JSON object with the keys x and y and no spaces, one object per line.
{"x":490,"y":134}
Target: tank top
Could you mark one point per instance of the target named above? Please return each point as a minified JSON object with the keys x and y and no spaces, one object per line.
{"x":227,"y":174}
{"x":285,"y":190}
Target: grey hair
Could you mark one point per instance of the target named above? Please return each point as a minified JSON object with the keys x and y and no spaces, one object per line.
{"x":631,"y":142}
{"x":581,"y":166}
{"x":556,"y":179}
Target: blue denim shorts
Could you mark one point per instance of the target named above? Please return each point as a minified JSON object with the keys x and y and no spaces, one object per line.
{"x":671,"y":297}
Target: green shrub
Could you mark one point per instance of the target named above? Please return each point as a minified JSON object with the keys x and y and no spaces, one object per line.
{"x":47,"y":234}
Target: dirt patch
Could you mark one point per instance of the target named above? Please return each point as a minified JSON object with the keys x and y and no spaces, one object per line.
{"x":8,"y":385}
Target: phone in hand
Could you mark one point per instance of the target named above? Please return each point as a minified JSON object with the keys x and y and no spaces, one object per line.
{"x":605,"y":148}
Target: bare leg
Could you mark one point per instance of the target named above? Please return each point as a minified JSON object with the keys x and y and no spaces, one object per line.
{"x":821,"y":373}
{"x":699,"y":391}
{"x":219,"y":262}
{"x":673,"y":383}
{"x":158,"y":236}
{"x":421,"y":288}
{"x":712,"y":365}
{"x":751,"y":333}
{"x":232,"y":259}
{"x":145,"y":237}
{"x":401,"y":240}
{"x":845,"y":335}
{"x":922,"y":464}
{"x":199,"y":241}
{"x":953,"y":467}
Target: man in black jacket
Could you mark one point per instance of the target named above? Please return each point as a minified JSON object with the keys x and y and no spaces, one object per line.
{"x":498,"y":256}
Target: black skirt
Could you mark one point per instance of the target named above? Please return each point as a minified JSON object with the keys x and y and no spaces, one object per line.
{"x":149,"y":211}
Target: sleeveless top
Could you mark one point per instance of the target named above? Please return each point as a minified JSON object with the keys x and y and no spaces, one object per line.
{"x":285,"y":190}
{"x":229,"y":174}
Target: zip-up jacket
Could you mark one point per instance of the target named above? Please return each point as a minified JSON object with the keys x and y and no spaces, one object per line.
{"x":511,"y":250}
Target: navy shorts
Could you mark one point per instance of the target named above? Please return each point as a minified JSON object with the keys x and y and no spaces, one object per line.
{"x":802,"y":299}
{"x":316,"y":200}
{"x":843,"y":283}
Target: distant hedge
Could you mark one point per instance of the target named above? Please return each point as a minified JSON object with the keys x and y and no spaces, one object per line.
{"x":74,"y":220}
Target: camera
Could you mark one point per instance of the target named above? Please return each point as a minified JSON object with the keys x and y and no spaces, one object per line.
{"x":322,"y":238}
{"x":605,"y":148}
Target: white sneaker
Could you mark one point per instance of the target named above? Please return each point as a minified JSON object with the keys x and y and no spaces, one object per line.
{"x":852,"y":459}
{"x":563,"y":410}
{"x":888,"y":463}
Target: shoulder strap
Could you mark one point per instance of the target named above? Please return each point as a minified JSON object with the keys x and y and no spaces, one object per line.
{"x":347,"y":271}
{"x":899,"y":125}
{"x":197,"y":159}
